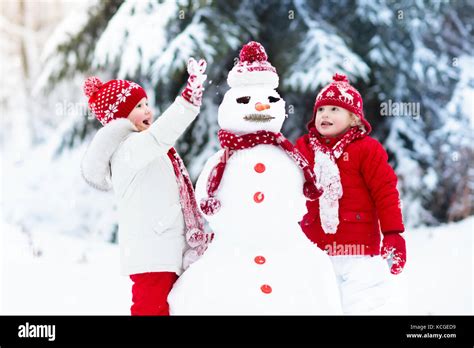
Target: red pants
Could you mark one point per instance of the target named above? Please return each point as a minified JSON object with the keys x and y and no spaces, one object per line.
{"x":150,"y":292}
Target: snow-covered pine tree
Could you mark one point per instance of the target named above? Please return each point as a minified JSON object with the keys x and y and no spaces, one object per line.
{"x":412,"y":47}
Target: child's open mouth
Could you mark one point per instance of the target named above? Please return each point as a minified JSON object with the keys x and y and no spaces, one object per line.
{"x":146,"y":122}
{"x":326,"y":124}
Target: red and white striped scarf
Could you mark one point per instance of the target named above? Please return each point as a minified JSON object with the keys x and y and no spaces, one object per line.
{"x":196,"y":238}
{"x":328,"y":176}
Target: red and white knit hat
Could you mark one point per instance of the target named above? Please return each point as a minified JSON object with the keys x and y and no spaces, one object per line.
{"x":340,"y":93}
{"x":253,"y":68}
{"x":113,"y":99}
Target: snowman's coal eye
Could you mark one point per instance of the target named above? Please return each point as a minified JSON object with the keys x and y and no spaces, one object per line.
{"x":243,"y":100}
{"x":273,"y":99}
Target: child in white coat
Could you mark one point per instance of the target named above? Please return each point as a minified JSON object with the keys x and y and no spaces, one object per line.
{"x":155,"y":198}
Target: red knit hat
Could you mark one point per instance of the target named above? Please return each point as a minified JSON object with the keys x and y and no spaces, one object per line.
{"x":341,"y":93}
{"x":113,"y":99}
{"x":253,"y":68}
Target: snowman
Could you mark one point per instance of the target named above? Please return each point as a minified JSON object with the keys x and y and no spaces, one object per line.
{"x":252,"y":193}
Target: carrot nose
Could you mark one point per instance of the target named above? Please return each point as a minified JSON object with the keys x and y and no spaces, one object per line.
{"x":260,"y":107}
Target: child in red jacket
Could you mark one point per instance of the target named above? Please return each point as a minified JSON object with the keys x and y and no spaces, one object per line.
{"x":360,"y":203}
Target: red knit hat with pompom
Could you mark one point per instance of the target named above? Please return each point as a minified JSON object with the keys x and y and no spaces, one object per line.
{"x":113,"y":99}
{"x":340,"y":93}
{"x":253,"y":68}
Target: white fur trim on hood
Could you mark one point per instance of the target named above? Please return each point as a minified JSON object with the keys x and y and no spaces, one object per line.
{"x":95,"y":165}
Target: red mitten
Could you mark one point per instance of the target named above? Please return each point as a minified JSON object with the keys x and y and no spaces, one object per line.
{"x":194,"y":87}
{"x":394,"y":249}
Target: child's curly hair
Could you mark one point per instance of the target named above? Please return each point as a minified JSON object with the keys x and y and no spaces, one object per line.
{"x":356,"y":122}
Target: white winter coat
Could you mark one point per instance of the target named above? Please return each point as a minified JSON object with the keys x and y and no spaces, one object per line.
{"x":136,"y":165}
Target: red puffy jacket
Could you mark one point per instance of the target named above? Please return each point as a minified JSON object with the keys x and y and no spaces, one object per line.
{"x":370,"y":202}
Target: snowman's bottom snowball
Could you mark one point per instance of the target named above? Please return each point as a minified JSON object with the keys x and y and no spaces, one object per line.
{"x":235,"y":285}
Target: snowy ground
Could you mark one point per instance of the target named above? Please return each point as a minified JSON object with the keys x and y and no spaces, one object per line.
{"x":68,"y":275}
{"x":52,"y":274}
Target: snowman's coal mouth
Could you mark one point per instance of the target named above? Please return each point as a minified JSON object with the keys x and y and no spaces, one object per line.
{"x":258,"y":118}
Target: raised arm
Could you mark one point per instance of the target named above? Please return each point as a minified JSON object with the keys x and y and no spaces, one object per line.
{"x":157,"y":140}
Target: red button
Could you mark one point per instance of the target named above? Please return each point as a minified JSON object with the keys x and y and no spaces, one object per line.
{"x":260,"y":260}
{"x":259,"y":167}
{"x":266,"y":289}
{"x":258,"y":197}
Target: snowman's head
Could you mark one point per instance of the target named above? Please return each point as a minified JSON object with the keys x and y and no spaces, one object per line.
{"x":252,"y":103}
{"x":250,"y":109}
